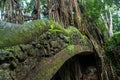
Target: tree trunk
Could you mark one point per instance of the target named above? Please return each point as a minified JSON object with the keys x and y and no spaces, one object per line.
{"x":65,"y":12}
{"x":13,"y":12}
{"x":107,"y":18}
{"x":110,"y":23}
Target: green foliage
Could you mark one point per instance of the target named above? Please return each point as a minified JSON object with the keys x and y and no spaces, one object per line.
{"x":71,"y":29}
{"x":113,"y":49}
{"x":5,"y":75}
{"x":92,"y":8}
{"x":116,"y":21}
{"x":113,"y":42}
{"x":117,"y":69}
{"x":53,"y":30}
{"x":2,"y":3}
{"x":106,"y":59}
{"x":23,"y":34}
{"x":101,"y":26}
{"x":52,"y":26}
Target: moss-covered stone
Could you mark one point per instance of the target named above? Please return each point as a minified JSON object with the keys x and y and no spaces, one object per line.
{"x":33,"y":42}
{"x":5,"y":75}
{"x":26,"y":33}
{"x":70,"y":49}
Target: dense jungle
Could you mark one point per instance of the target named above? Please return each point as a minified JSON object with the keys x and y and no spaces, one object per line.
{"x":59,"y":40}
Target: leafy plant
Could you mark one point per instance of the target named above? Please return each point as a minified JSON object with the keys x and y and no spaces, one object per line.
{"x":117,"y":69}
{"x":113,"y":49}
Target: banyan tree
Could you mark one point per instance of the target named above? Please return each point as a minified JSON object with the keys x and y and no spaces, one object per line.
{"x":67,"y":45}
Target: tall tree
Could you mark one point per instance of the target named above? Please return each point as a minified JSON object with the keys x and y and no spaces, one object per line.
{"x":107,"y":18}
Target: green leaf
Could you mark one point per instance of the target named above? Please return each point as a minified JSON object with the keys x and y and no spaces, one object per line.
{"x":52,"y":26}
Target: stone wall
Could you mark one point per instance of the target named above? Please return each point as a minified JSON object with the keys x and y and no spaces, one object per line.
{"x":20,"y":60}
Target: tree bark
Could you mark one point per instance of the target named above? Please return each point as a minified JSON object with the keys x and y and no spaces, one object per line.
{"x":107,"y":18}
{"x":110,"y":24}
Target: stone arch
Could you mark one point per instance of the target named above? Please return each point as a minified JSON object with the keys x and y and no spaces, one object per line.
{"x":48,"y":67}
{"x":82,"y":66}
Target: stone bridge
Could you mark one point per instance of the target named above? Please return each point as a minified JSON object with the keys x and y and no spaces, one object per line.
{"x":38,"y":50}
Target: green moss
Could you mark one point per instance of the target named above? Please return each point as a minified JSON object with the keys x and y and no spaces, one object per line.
{"x":55,"y":31}
{"x":5,"y":75}
{"x":84,"y":39}
{"x":28,"y":32}
{"x":70,"y":49}
{"x":13,"y":65}
{"x":67,"y":39}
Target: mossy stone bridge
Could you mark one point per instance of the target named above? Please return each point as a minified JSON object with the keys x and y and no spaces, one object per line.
{"x":39,"y":50}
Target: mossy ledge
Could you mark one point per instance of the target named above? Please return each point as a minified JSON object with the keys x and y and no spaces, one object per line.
{"x":15,"y":34}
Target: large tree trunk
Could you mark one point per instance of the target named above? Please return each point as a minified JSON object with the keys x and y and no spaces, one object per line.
{"x":13,"y":12}
{"x":66,"y":12}
{"x":36,"y":10}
